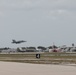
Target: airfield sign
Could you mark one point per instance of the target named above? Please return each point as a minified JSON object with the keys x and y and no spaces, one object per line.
{"x":38,"y":56}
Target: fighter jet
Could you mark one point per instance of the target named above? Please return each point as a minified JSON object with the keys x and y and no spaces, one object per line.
{"x":18,"y":42}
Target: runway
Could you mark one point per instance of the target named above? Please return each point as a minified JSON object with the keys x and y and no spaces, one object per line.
{"x":13,"y":68}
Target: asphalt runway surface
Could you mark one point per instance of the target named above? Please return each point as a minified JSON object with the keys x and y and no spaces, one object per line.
{"x":13,"y":68}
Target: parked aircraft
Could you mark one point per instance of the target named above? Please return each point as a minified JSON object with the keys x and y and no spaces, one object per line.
{"x":18,"y":42}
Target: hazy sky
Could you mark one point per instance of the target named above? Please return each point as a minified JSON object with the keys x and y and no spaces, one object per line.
{"x":39,"y":22}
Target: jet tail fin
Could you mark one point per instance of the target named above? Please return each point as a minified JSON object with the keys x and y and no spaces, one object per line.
{"x":14,"y":40}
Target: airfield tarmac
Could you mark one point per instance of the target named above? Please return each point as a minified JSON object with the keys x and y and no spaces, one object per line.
{"x":13,"y":68}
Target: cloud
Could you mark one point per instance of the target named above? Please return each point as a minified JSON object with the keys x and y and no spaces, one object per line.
{"x":54,"y":8}
{"x":1,"y":14}
{"x":17,"y":4}
{"x":33,"y":15}
{"x":61,"y":14}
{"x":37,"y":4}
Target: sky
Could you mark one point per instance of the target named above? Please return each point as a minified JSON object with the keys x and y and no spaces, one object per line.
{"x":39,"y":22}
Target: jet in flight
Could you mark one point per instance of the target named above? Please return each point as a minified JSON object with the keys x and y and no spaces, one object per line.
{"x":18,"y":42}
